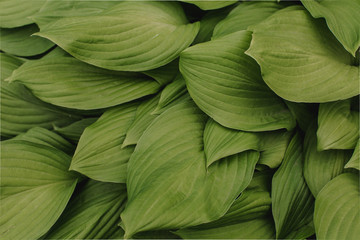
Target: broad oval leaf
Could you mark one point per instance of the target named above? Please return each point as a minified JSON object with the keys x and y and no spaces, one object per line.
{"x":131,"y":36}
{"x":81,"y":86}
{"x":292,"y":201}
{"x":300,"y":59}
{"x":227,"y":85}
{"x":210,"y":5}
{"x":92,"y":214}
{"x":18,"y":41}
{"x":354,"y":161}
{"x":342,"y":17}
{"x":337,"y":209}
{"x":99,"y":154}
{"x":35,"y":188}
{"x":167,"y":173}
{"x":338,"y":126}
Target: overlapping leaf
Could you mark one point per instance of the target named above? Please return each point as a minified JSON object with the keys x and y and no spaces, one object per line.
{"x":342,"y":17}
{"x":354,"y":161}
{"x":337,"y":210}
{"x":227,"y":85}
{"x":74,"y":130}
{"x":35,"y":188}
{"x":99,"y":154}
{"x":301,"y":60}
{"x":167,"y":173}
{"x":81,"y":86}
{"x":210,"y":5}
{"x":131,"y":36}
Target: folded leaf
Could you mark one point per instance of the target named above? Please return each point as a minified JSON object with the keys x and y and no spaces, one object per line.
{"x":131,"y":36}
{"x":337,"y":211}
{"x":92,"y":214}
{"x":342,"y":17}
{"x":292,"y":201}
{"x":244,"y":15}
{"x":354,"y":161}
{"x":210,"y":5}
{"x":18,"y":41}
{"x":321,"y":166}
{"x":99,"y":154}
{"x":74,"y":130}
{"x":300,"y":59}
{"x":35,"y":188}
{"x":167,"y":173}
{"x":16,"y":13}
{"x":81,"y":86}
{"x":338,"y":126}
{"x":227,"y":85}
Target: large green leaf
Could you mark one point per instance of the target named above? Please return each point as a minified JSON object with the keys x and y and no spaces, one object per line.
{"x":304,"y":113}
{"x":321,"y":166}
{"x":165,"y":74}
{"x":220,"y":142}
{"x":354,"y":161}
{"x":20,"y":110}
{"x":210,"y":5}
{"x":300,"y":59}
{"x":338,"y":126}
{"x":131,"y":36}
{"x":292,"y":201}
{"x":81,"y":85}
{"x":244,"y":15}
{"x":227,"y":85}
{"x":16,"y":13}
{"x":167,"y":174}
{"x":35,"y":188}
{"x":74,"y":130}
{"x":342,"y":17}
{"x":92,"y":214}
{"x":18,"y":41}
{"x":337,"y":209}
{"x":99,"y":154}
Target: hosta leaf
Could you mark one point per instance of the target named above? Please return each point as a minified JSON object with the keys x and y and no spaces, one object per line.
{"x":354,"y":161}
{"x":8,"y":65}
{"x":20,"y":110}
{"x":244,"y":15}
{"x":142,"y":120}
{"x":35,"y":188}
{"x":81,"y":86}
{"x":342,"y":17}
{"x":226,"y":84}
{"x":165,"y":74}
{"x":16,"y":13}
{"x":181,"y":98}
{"x":18,"y":41}
{"x":45,"y":137}
{"x":338,"y":126}
{"x":210,"y":5}
{"x":92,"y":214}
{"x":292,"y":201}
{"x":220,"y":142}
{"x":99,"y":154}
{"x":74,"y":130}
{"x":300,"y":59}
{"x":304,"y":113}
{"x":321,"y":166}
{"x":337,"y":209}
{"x":132,"y":36}
{"x":167,"y":173}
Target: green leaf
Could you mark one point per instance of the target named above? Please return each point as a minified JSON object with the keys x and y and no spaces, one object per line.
{"x":220,"y":142}
{"x":74,"y":130}
{"x":81,"y":86}
{"x":165,"y":74}
{"x":143,"y":118}
{"x":342,"y":17}
{"x":8,"y":65}
{"x":244,"y":15}
{"x":92,"y":214}
{"x":99,"y":154}
{"x":227,"y":85}
{"x":16,"y":13}
{"x":18,"y":41}
{"x":292,"y":201}
{"x":337,"y":210}
{"x":300,"y":59}
{"x":321,"y":166}
{"x":338,"y":126}
{"x":126,"y":41}
{"x":167,"y":173}
{"x":210,"y":5}
{"x":354,"y":161}
{"x":304,"y":113}
{"x":35,"y":188}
